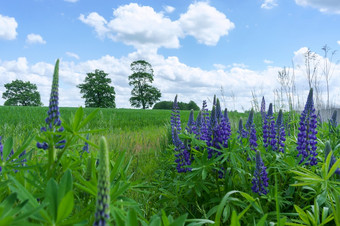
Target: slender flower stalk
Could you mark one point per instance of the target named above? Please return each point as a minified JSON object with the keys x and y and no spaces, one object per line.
{"x":306,"y":143}
{"x":263,"y":109}
{"x":280,"y":133}
{"x":53,"y":119}
{"x":260,"y":178}
{"x":175,"y":119}
{"x":102,"y":214}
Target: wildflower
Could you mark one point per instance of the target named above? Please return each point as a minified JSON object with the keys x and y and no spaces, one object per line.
{"x":21,"y":159}
{"x":306,"y":143}
{"x":102,"y":214}
{"x":53,"y":119}
{"x":86,"y":146}
{"x":191,"y":126}
{"x":250,"y":126}
{"x":241,"y":131}
{"x":280,"y":133}
{"x":269,"y":132}
{"x":260,"y":178}
{"x":183,"y":157}
{"x":332,"y":122}
{"x":263,"y":109}
{"x":175,"y":119}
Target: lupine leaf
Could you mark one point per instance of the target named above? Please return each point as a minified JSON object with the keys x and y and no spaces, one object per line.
{"x":65,"y":207}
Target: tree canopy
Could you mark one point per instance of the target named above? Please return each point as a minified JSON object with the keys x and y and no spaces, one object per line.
{"x":97,"y":91}
{"x":143,"y":94}
{"x":168,"y":105}
{"x":21,"y":93}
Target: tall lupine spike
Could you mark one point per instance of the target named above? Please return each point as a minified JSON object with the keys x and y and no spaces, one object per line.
{"x":102,"y":215}
{"x":333,"y":159}
{"x":213,"y":118}
{"x":214,"y":101}
{"x":225,"y":115}
{"x":280,"y":133}
{"x":241,"y":131}
{"x":53,"y":119}
{"x":250,"y":120}
{"x":183,"y":157}
{"x":332,"y":122}
{"x":175,"y":119}
{"x":260,"y":178}
{"x":263,"y":108}
{"x":191,"y":123}
{"x":269,"y":132}
{"x":218,"y":110}
{"x":306,"y":143}
{"x":270,"y":110}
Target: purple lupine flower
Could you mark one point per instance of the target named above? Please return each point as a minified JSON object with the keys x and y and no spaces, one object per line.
{"x":306,"y":143}
{"x":333,"y":159}
{"x":218,"y":110}
{"x":191,"y":126}
{"x":205,"y":131}
{"x":332,"y":122}
{"x":280,"y":133}
{"x":20,"y":158}
{"x":241,"y":131}
{"x":226,"y":117}
{"x":175,"y":119}
{"x":260,"y":178}
{"x":263,"y":108}
{"x":269,"y":132}
{"x":53,"y":119}
{"x":183,"y":158}
{"x":250,"y":126}
{"x":102,"y":214}
{"x":86,"y":146}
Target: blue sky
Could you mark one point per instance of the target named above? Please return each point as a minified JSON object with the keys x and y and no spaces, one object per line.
{"x":195,"y":46}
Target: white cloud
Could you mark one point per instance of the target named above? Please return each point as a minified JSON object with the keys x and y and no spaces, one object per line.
{"x":338,"y":42}
{"x":97,"y":22}
{"x":169,"y":9}
{"x":74,"y":55}
{"x":171,"y":77}
{"x":205,"y":23}
{"x":72,"y":1}
{"x":268,"y":61}
{"x":8,"y":26}
{"x":144,"y":28}
{"x":269,"y":4}
{"x":327,"y":6}
{"x":34,"y":39}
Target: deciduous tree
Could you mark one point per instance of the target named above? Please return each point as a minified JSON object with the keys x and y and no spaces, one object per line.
{"x":21,"y":93}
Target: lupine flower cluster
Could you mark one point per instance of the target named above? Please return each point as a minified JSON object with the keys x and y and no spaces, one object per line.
{"x":260,"y":178}
{"x":251,"y":131}
{"x":53,"y":119}
{"x":263,"y":109}
{"x":213,"y":129}
{"x":280,"y":135}
{"x":306,"y":143}
{"x":241,"y":131}
{"x":332,"y":122}
{"x":102,"y":214}
{"x":333,"y":159}
{"x":85,"y":147}
{"x":175,"y":119}
{"x":269,"y":132}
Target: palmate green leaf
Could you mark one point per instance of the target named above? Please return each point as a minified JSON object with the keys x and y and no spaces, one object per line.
{"x":51,"y":196}
{"x":302,"y":214}
{"x":132,"y":217}
{"x":77,"y":118}
{"x":65,"y":185}
{"x":8,"y":145}
{"x":65,"y":207}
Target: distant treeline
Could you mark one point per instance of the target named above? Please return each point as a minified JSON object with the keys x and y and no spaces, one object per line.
{"x":167,"y":105}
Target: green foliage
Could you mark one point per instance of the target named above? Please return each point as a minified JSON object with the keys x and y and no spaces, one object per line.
{"x":143,"y":94}
{"x":168,"y":105}
{"x":21,"y":93}
{"x":97,"y":91}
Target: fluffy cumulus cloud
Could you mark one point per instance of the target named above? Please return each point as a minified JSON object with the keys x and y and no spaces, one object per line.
{"x":205,"y":23}
{"x":269,"y":4}
{"x":172,"y":77}
{"x":8,"y":27}
{"x":327,"y":6}
{"x":35,"y":39}
{"x":144,"y":28}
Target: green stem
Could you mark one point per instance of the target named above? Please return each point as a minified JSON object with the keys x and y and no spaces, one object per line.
{"x":277,"y":203}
